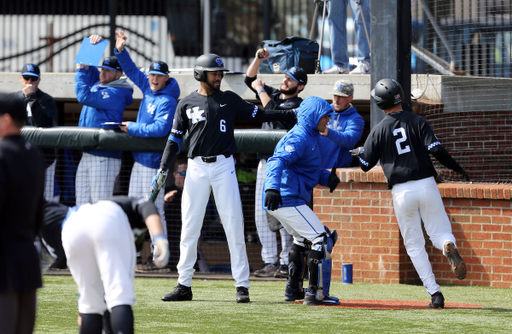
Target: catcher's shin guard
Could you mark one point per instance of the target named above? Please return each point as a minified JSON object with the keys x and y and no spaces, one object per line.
{"x":323,"y":262}
{"x":296,"y":267}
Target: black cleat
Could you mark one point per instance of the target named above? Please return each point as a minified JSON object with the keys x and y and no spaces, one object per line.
{"x":455,"y":260}
{"x":437,"y":300}
{"x":282,"y":271}
{"x":242,"y":295}
{"x":310,"y":299}
{"x":180,"y":293}
{"x":291,"y":295}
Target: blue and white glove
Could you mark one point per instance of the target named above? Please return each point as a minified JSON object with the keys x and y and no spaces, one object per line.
{"x":160,"y":251}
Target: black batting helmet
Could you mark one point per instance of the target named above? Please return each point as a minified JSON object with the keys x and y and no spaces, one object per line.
{"x":207,"y":63}
{"x":387,"y":93}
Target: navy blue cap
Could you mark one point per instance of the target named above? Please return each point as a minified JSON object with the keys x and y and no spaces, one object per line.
{"x":31,"y":69}
{"x":159,"y":67}
{"x":111,"y":63}
{"x":297,"y":74}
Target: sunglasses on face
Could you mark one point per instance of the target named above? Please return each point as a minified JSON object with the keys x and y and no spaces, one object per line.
{"x":30,"y":77}
{"x":182,"y":173}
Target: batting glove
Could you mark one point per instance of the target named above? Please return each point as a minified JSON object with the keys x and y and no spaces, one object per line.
{"x":465,"y":175}
{"x":356,"y":151}
{"x":273,"y":199}
{"x":333,"y":180}
{"x":161,"y":251}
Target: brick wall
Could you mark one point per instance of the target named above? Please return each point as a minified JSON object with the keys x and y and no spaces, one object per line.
{"x":361,"y":210}
{"x":480,"y":141}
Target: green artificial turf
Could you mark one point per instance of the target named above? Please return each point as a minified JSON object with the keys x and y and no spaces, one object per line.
{"x":214,"y":310}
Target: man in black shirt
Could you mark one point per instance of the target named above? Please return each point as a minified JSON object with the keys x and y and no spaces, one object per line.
{"x":21,"y":212}
{"x":402,"y":142}
{"x":286,"y":97}
{"x":208,"y":115}
{"x":41,"y":112}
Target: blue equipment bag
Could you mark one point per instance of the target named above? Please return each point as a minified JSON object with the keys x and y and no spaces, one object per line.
{"x":291,"y":51}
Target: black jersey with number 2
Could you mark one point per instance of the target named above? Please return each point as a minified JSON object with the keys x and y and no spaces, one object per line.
{"x":402,"y":141}
{"x":210,"y":121}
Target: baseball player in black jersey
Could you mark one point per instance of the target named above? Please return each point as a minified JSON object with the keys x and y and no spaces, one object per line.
{"x":402,"y":142}
{"x":208,"y":115}
{"x":98,"y":241}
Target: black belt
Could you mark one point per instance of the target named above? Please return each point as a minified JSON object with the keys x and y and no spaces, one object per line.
{"x":212,"y":158}
{"x":209,"y":159}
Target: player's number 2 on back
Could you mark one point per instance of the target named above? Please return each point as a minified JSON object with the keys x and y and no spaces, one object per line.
{"x":399,"y":141}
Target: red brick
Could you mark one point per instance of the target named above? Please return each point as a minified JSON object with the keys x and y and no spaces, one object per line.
{"x":361,"y":202}
{"x":370,"y":211}
{"x":380,"y":186}
{"x":452,"y":210}
{"x":501,"y":220}
{"x":491,"y":212}
{"x":386,"y":194}
{"x":480,"y":219}
{"x":350,"y":209}
{"x":352,"y":194}
{"x":380,"y":219}
{"x":379,"y":234}
{"x":481,"y":203}
{"x":491,"y":228}
{"x":504,"y":253}
{"x":370,"y":194}
{"x":501,"y":236}
{"x":460,"y":218}
{"x":361,"y":186}
{"x":493,"y":244}
{"x":380,"y":250}
{"x":501,"y":204}
{"x":361,"y":218}
{"x":322,"y":201}
{"x":481,"y":236}
{"x":461,"y":202}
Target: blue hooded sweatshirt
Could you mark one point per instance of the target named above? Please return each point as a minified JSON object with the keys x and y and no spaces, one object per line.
{"x":102,"y":103}
{"x":156,"y":111}
{"x":295,"y":169}
{"x":345,"y":130}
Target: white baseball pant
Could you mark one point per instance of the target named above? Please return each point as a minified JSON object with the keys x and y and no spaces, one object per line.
{"x":415,"y":201}
{"x":201,"y":178}
{"x":95,"y":178}
{"x":100,"y":249}
{"x":267,"y":237}
{"x":140,"y":183}
{"x":302,"y":223}
{"x":49,"y":182}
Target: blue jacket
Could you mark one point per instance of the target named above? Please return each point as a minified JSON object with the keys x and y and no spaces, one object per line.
{"x":156,"y":111}
{"x":102,"y":103}
{"x":345,"y":130}
{"x":294,"y":169}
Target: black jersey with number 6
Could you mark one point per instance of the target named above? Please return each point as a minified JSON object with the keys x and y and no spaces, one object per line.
{"x":210,"y":121}
{"x":402,"y":141}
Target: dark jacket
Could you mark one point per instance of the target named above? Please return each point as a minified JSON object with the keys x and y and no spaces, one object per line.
{"x":43,"y":114}
{"x":22,"y":173}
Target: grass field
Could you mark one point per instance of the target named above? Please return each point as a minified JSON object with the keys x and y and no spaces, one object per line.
{"x":214,"y":310}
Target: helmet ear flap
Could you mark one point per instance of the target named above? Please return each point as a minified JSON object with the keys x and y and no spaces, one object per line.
{"x":199,"y":75}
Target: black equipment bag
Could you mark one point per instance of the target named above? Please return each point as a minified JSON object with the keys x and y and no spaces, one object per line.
{"x":291,"y":51}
